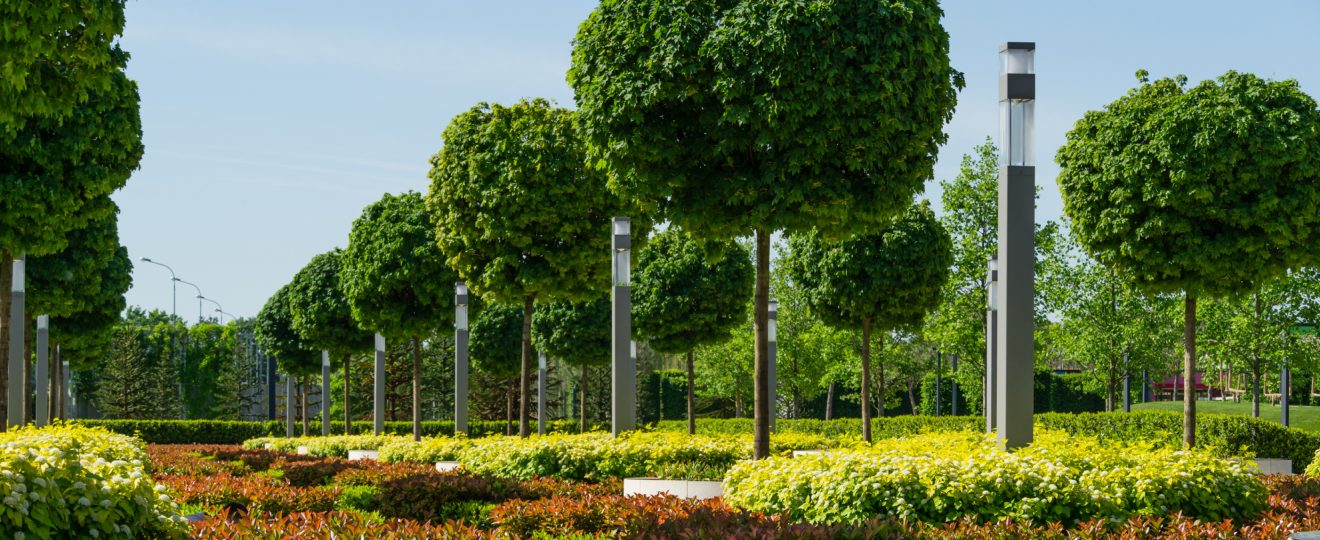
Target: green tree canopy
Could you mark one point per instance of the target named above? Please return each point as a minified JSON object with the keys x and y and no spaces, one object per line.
{"x":84,"y":336}
{"x":682,"y":299}
{"x":519,"y":215}
{"x":887,"y":280}
{"x":494,"y":341}
{"x":575,"y":332}
{"x":732,"y":117}
{"x":321,"y":312}
{"x":1205,"y":191}
{"x":275,"y":334}
{"x":69,"y":281}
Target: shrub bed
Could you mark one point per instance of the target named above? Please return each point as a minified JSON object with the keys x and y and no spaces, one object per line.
{"x":73,"y":481}
{"x":945,"y":477}
{"x":235,"y":432}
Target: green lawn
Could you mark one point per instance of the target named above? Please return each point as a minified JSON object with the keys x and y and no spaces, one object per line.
{"x":1305,"y":417}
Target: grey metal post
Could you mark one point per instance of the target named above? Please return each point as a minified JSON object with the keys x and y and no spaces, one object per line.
{"x":1017,"y":209}
{"x":939,"y":366}
{"x":378,"y":399}
{"x":460,"y":358}
{"x":272,"y":377}
{"x":772,"y":386}
{"x":17,"y":397}
{"x":42,"y":370}
{"x":66,"y":411}
{"x":1145,"y":385}
{"x":991,"y":350}
{"x":325,"y":393}
{"x":953,"y":384}
{"x":289,"y":406}
{"x":540,"y":393}
{"x":1285,"y":376}
{"x":623,"y":368}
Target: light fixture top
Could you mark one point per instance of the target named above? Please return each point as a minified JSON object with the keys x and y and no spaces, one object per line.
{"x":1017,"y":46}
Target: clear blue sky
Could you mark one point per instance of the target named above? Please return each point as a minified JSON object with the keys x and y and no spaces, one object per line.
{"x":269,"y":125}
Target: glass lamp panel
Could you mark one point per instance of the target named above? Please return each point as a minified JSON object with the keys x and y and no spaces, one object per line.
{"x":460,"y":318}
{"x":1017,"y":61}
{"x":461,"y":289}
{"x":621,"y":267}
{"x":1018,"y":132}
{"x":622,"y":227}
{"x":18,"y":277}
{"x":771,"y":330}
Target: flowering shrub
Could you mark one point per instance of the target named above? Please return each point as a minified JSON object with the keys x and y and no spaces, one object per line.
{"x":260,"y":493}
{"x":322,"y":525}
{"x":947,"y":477}
{"x":68,"y":481}
{"x":332,"y":446}
{"x":426,"y":451}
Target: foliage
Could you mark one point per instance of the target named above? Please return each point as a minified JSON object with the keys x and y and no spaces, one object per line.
{"x":317,"y":525}
{"x":259,"y":493}
{"x":133,"y":385}
{"x":70,"y":281}
{"x":682,"y":297}
{"x":275,"y":333}
{"x":576,"y":332}
{"x":946,"y":477}
{"x":68,"y":481}
{"x":494,"y":340}
{"x":321,"y":313}
{"x":394,"y":277}
{"x":235,"y":432}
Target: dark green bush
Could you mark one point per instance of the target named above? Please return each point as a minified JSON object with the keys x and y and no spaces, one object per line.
{"x":926,"y":396}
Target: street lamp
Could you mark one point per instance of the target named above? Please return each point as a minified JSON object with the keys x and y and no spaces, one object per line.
{"x":991,"y":326}
{"x":623,"y":403}
{"x":42,"y":370}
{"x":378,"y":383}
{"x":772,"y":388}
{"x":232,"y":317}
{"x":1017,"y":213}
{"x":460,"y":358}
{"x":17,"y":391}
{"x":199,"y":296}
{"x":218,"y":307}
{"x":174,"y":287}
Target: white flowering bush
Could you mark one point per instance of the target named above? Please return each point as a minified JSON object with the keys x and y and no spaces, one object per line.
{"x":68,"y":481}
{"x":428,"y":450}
{"x":948,"y":476}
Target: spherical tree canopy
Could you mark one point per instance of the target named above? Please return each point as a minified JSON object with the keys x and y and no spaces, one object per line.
{"x":893,"y":277}
{"x":517,"y":211}
{"x":1208,"y":190}
{"x":321,"y":314}
{"x":495,"y":340}
{"x":55,"y":173}
{"x":393,"y":275}
{"x":682,"y":298}
{"x":56,"y":54}
{"x":86,"y":334}
{"x":69,"y":281}
{"x":781,"y":114}
{"x":275,"y":334}
{"x":576,"y":332}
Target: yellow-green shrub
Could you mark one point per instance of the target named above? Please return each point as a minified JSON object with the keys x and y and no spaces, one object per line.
{"x":68,"y":481}
{"x":332,"y":446}
{"x":947,"y":476}
{"x":424,"y":451}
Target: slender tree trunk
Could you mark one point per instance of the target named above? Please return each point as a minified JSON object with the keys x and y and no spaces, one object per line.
{"x":348,"y":406}
{"x":866,"y":379}
{"x":1189,"y":371}
{"x":417,"y":389}
{"x":829,"y":402}
{"x":761,"y":377}
{"x":524,"y":415}
{"x":692,"y":408}
{"x":1110,"y":381}
{"x":302,"y":404}
{"x":582,"y":401}
{"x":1256,"y":367}
{"x":508,"y":408}
{"x":6,"y":299}
{"x":912,"y":396}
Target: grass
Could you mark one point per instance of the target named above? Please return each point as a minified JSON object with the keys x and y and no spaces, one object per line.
{"x":1306,"y":417}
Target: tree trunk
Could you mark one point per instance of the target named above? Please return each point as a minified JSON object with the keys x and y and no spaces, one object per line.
{"x":348,"y":408}
{"x":417,"y":389}
{"x":692,"y":409}
{"x":1110,"y":381}
{"x":302,"y":404}
{"x":866,"y":379}
{"x":829,"y":402}
{"x":6,"y":300}
{"x":761,"y":376}
{"x":524,"y":415}
{"x":1256,"y":367}
{"x":508,"y":408}
{"x":912,"y":396}
{"x":1189,"y":371}
{"x":582,"y":401}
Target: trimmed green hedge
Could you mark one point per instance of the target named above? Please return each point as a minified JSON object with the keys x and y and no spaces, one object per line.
{"x":1231,"y":434}
{"x":235,"y":432}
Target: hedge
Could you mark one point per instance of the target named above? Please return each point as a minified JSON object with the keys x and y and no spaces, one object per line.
{"x":235,"y":432}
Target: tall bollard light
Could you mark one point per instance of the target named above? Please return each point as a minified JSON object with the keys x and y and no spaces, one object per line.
{"x":1285,"y":382}
{"x":460,"y":358}
{"x":1017,"y":215}
{"x":378,"y":396}
{"x":623,"y":367}
{"x":43,"y":370}
{"x":991,"y":331}
{"x":325,"y":393}
{"x":17,"y":396}
{"x":66,"y":393}
{"x":772,"y":387}
{"x":953,"y":384}
{"x":540,"y":393}
{"x":289,"y":407}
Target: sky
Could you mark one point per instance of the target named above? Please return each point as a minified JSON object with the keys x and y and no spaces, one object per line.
{"x":269,"y":125}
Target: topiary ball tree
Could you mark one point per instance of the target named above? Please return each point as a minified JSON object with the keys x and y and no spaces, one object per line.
{"x":1206,"y":191}
{"x":495,"y":346}
{"x":682,"y":298}
{"x":323,"y":319}
{"x":577,"y":333}
{"x":881,"y":281}
{"x":276,"y":336}
{"x":396,"y":280}
{"x":746,"y":117}
{"x":520,"y":216}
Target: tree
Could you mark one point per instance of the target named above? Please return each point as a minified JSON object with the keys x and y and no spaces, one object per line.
{"x":577,"y":333}
{"x":520,"y":216}
{"x":682,"y":299}
{"x":1204,"y":191}
{"x":494,"y":344}
{"x":323,"y":318}
{"x":275,"y":334}
{"x":887,"y":281}
{"x":759,"y":116}
{"x":132,"y":386}
{"x":396,"y":280}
